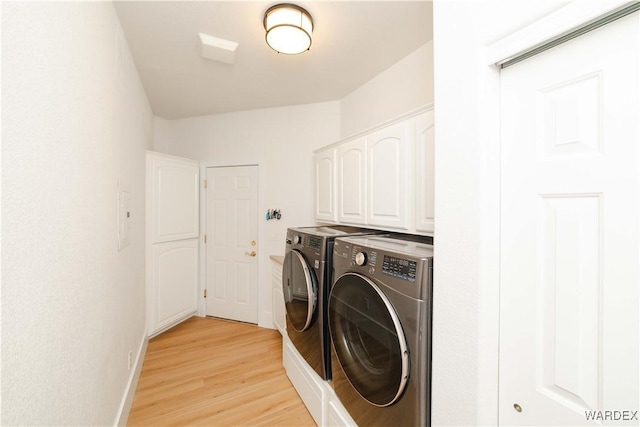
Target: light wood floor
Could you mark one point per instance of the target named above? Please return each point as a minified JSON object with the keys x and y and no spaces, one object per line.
{"x":216,"y":373}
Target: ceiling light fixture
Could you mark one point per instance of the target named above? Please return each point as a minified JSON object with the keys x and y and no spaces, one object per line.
{"x":289,"y":28}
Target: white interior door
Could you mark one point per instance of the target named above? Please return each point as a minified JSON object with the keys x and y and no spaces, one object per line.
{"x":232,"y":235}
{"x":569,"y":232}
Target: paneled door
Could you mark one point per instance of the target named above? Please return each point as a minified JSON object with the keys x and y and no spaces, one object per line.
{"x":232,"y":248}
{"x":570,"y":243}
{"x":172,"y":240}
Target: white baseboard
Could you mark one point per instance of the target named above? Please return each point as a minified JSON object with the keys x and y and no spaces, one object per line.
{"x":127,"y":399}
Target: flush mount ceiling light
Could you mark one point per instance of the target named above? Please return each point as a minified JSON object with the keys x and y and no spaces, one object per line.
{"x":289,"y":28}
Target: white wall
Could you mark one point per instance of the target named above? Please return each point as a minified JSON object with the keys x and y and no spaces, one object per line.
{"x":280,"y":141}
{"x":463,"y":382}
{"x":75,"y":122}
{"x":406,"y":85}
{"x":161,"y":132}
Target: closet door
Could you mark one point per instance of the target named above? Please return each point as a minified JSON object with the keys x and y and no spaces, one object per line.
{"x":570,"y":247}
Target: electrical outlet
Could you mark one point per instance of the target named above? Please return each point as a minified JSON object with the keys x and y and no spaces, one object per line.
{"x":129,"y":360}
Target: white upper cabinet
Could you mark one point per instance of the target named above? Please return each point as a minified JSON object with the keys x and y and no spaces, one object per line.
{"x":352,"y":182}
{"x":383,"y":179}
{"x":326,"y":210}
{"x":425,"y":154}
{"x":390,"y":172}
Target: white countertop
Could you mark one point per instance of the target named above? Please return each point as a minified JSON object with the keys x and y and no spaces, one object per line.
{"x":277,"y":258}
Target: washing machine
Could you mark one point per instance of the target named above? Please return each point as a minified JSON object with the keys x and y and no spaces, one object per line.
{"x":306,"y":275}
{"x":379,"y":316}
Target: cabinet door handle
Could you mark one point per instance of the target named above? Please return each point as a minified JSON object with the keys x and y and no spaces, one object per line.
{"x":252,"y":253}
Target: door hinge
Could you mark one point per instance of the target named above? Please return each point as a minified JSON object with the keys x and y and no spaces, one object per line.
{"x":205,"y":183}
{"x":205,"y":238}
{"x":205,"y":293}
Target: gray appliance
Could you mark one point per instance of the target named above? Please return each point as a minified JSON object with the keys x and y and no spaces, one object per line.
{"x":379,"y":317}
{"x":306,"y":276}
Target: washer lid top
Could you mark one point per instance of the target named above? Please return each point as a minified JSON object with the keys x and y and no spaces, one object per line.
{"x":333,"y":231}
{"x":411,"y":248}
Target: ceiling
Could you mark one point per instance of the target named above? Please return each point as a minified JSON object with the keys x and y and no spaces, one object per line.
{"x":353,"y":41}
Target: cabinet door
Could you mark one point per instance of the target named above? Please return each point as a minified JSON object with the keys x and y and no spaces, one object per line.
{"x":390,"y":172}
{"x":326,"y":185}
{"x":352,"y":173}
{"x":174,"y":198}
{"x":174,"y":283}
{"x":425,"y":152}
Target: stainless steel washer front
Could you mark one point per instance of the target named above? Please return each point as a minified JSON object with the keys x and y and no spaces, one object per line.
{"x":379,"y":318}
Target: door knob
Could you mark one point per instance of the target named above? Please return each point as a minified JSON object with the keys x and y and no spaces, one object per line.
{"x":252,"y":253}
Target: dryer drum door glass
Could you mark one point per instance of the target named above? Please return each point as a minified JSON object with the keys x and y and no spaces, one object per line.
{"x":300,"y":288}
{"x":368,"y":339}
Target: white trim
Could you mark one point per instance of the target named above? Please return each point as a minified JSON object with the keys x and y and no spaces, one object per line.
{"x":175,"y":322}
{"x":488,"y":293}
{"x":565,"y":20}
{"x":132,"y":384}
{"x":171,"y":157}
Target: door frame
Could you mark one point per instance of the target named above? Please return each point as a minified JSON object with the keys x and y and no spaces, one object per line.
{"x":482,"y":255}
{"x":264,"y":285}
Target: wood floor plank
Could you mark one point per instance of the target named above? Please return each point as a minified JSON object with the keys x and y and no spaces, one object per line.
{"x":213,"y":372}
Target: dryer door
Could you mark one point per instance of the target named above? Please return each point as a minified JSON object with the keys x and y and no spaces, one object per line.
{"x":300,"y":288}
{"x":368,"y":339}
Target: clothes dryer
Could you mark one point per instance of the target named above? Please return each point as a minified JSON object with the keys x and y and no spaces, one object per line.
{"x":306,"y":276}
{"x":379,"y":317}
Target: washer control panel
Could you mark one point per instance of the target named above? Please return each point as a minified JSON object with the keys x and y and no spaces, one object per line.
{"x":314,"y":243}
{"x":399,"y":267}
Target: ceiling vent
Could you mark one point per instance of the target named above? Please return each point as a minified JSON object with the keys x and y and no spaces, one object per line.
{"x":218,"y":49}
